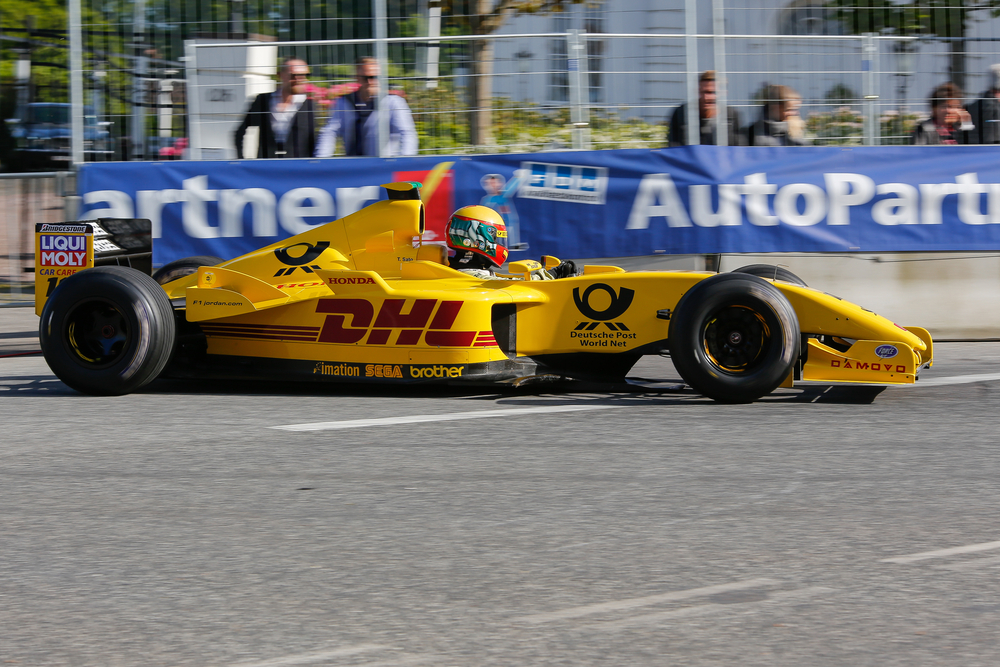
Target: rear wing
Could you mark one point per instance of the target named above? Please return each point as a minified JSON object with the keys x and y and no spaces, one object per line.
{"x":66,"y":248}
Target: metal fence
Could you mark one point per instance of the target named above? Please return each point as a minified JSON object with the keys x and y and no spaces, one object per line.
{"x":27,"y":199}
{"x":604,"y":73}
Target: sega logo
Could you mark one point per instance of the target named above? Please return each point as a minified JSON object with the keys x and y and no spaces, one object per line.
{"x":564,"y":182}
{"x":886,"y":351}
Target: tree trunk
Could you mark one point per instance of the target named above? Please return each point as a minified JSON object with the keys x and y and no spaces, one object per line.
{"x":481,"y":93}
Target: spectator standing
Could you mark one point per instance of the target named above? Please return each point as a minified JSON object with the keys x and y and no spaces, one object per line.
{"x":779,"y":123}
{"x":985,"y":112}
{"x":949,"y":122}
{"x":286,"y":118}
{"x":355,"y":119}
{"x":677,"y":132}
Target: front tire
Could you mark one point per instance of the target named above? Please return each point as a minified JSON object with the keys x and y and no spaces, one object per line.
{"x":771,"y":272}
{"x":107,"y":331}
{"x":734,"y":337}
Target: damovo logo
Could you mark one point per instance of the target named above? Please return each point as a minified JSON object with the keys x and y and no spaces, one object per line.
{"x":620,"y":302}
{"x":886,"y":351}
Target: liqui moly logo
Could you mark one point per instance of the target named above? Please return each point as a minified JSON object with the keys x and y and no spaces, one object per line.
{"x":62,"y":250}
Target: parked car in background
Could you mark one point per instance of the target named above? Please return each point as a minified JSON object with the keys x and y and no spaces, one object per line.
{"x":43,"y":136}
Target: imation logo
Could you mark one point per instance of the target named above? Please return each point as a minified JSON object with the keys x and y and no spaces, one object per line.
{"x":620,"y":302}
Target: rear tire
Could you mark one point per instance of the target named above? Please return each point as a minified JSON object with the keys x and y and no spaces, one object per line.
{"x":183,"y":267}
{"x":771,"y":272}
{"x":734,"y":337}
{"x":107,"y":331}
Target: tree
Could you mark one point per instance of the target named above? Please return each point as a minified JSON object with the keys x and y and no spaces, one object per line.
{"x":485,"y":17}
{"x":841,"y":95}
{"x":945,"y":20}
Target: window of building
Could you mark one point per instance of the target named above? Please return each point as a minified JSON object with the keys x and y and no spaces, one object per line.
{"x":558,"y":75}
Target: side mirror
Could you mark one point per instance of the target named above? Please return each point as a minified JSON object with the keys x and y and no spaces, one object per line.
{"x":524,"y":267}
{"x":550,"y":262}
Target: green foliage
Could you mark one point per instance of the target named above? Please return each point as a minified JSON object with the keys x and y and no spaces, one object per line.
{"x":841,"y":94}
{"x":920,"y":18}
{"x":518,"y":127}
{"x":844,"y":126}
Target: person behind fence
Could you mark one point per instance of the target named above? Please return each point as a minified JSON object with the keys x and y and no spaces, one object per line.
{"x":985,"y":112}
{"x":677,"y":131}
{"x":355,"y":119}
{"x":949,"y":122}
{"x":477,"y":245}
{"x":778,"y":124}
{"x":286,"y":118}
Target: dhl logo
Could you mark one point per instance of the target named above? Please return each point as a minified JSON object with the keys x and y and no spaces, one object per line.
{"x":429,"y":319}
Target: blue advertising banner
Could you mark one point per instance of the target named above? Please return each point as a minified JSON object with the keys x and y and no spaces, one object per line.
{"x":698,"y":199}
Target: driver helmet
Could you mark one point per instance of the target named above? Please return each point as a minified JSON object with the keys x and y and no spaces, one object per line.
{"x":479,"y":230}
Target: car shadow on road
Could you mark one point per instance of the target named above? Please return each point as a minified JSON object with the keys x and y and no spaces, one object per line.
{"x":670,"y":392}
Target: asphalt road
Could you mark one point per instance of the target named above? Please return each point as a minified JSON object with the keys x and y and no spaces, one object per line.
{"x":179,"y":526}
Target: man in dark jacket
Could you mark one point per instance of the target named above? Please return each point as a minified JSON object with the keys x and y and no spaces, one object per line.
{"x":985,"y":112}
{"x":286,"y":118}
{"x":677,"y":132}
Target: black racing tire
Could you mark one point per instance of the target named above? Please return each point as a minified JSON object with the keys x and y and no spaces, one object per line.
{"x":734,"y":337}
{"x":107,"y":331}
{"x":183,"y":267}
{"x":771,"y":272}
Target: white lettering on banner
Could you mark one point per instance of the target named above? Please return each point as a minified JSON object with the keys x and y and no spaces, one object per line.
{"x":150,"y":205}
{"x":901,"y":210}
{"x":657,"y":196}
{"x":119,"y":205}
{"x":729,"y":205}
{"x":262,"y":206}
{"x":970,"y":199}
{"x":292,"y":210}
{"x":195,"y":216}
{"x":794,"y":204}
{"x":756,"y":188}
{"x":845,"y":191}
{"x":786,"y":204}
{"x":352,"y":200}
{"x":931,"y":199}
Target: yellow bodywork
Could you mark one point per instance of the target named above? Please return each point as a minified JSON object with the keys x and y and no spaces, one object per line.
{"x":359,"y":298}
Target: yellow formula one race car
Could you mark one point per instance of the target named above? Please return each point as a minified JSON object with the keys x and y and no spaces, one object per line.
{"x":355,"y":300}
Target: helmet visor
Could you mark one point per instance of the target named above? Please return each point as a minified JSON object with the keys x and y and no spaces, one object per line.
{"x":475,"y":234}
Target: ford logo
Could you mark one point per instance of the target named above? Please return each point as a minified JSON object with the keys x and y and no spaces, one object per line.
{"x":886,"y":351}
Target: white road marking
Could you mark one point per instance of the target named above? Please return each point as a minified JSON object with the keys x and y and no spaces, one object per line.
{"x":956,"y":379}
{"x":941,"y":553}
{"x":977,"y":564}
{"x":406,"y":660}
{"x":307,"y":658}
{"x":712,"y":608}
{"x":632,"y":603}
{"x":448,"y":416}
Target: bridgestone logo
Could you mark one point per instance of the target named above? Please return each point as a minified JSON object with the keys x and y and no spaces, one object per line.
{"x":65,"y":229}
